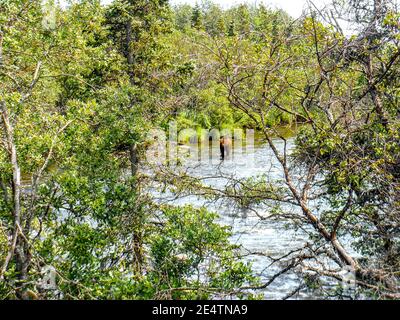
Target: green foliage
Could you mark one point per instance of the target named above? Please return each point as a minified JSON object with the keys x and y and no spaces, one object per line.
{"x":95,"y":96}
{"x":197,"y":19}
{"x":191,"y":250}
{"x":78,"y":100}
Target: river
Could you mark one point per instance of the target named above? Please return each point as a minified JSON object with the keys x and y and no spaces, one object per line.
{"x":271,"y":238}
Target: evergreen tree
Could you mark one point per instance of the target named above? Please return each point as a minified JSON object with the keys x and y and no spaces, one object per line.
{"x":231,"y":29}
{"x":197,"y":18}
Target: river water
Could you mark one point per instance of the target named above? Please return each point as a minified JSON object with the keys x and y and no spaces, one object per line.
{"x":270,"y":238}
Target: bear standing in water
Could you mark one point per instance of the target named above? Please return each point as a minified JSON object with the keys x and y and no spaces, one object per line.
{"x":225,"y":145}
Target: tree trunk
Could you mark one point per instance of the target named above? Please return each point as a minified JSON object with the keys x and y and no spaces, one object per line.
{"x":133,"y":156}
{"x":17,"y":247}
{"x":1,"y":48}
{"x":129,"y":53}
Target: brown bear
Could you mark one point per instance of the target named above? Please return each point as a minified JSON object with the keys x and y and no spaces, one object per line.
{"x":225,"y":145}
